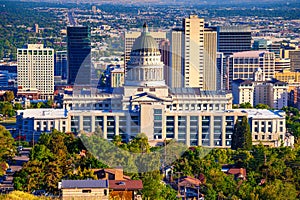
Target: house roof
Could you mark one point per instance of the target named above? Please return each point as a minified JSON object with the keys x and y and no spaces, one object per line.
{"x":84,"y":184}
{"x":188,"y":180}
{"x":125,"y":184}
{"x":237,"y":171}
{"x":111,"y":171}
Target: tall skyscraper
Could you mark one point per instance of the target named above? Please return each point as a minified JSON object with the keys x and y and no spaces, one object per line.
{"x":176,"y":69}
{"x":193,"y":57}
{"x":61,"y":64}
{"x":193,"y":51}
{"x":295,"y":60}
{"x":221,"y":71}
{"x":234,"y":39}
{"x":79,"y":58}
{"x":36,"y":70}
{"x":210,"y":60}
{"x":164,"y":48}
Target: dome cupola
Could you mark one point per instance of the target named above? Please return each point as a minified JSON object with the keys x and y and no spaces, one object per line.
{"x":145,"y":67}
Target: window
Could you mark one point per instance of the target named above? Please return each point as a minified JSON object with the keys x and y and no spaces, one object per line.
{"x":270,"y":137}
{"x":256,"y":137}
{"x":86,"y":191}
{"x":157,"y":111}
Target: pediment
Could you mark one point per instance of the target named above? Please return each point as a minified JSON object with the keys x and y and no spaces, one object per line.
{"x":146,"y":97}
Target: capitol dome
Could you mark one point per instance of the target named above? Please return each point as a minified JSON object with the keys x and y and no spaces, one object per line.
{"x":145,"y":42}
{"x":145,"y":67}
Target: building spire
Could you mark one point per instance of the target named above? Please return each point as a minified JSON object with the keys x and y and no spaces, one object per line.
{"x":145,"y":28}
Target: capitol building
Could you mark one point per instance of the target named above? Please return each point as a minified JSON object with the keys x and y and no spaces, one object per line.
{"x":145,"y":104}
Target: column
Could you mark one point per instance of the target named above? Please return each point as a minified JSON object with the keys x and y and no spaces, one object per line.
{"x":211,"y":129}
{"x":117,"y":125}
{"x":105,"y":126}
{"x":93,"y":123}
{"x":80,"y":123}
{"x":200,"y":130}
{"x":223,"y":131}
{"x":187,"y":136}
{"x":176,"y":127}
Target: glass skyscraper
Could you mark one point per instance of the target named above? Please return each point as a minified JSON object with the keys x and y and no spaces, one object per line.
{"x":79,"y":58}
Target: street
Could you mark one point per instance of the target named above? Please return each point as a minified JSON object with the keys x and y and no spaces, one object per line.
{"x":15,"y":165}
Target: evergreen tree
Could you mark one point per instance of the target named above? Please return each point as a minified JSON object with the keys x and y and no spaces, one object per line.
{"x":241,"y":137}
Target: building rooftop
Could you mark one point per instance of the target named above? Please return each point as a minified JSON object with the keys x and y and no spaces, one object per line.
{"x":43,"y":113}
{"x":84,"y":184}
{"x":250,"y":54}
{"x":126,"y":185}
{"x":239,"y":28}
{"x":263,"y":113}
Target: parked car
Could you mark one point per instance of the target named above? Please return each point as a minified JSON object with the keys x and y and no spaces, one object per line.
{"x":9,"y":170}
{"x":20,"y":148}
{"x":4,"y":177}
{"x":39,"y":192}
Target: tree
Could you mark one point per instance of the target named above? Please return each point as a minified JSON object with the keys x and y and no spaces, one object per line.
{"x":262,"y":106}
{"x":246,"y":105}
{"x":117,"y":140}
{"x":9,"y":96}
{"x":6,"y":109}
{"x":18,"y":106}
{"x":139,"y":144}
{"x":7,"y":149}
{"x":241,"y":137}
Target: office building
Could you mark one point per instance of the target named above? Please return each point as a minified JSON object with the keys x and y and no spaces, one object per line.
{"x":274,"y":47}
{"x":288,"y":76}
{"x":164,"y":48}
{"x":260,"y":44}
{"x":283,"y":64}
{"x":268,"y":127}
{"x":221,"y":71}
{"x":295,"y":60}
{"x":233,"y":39}
{"x":210,"y":60}
{"x":4,"y":77}
{"x":242,"y":65}
{"x":61,"y":64}
{"x":272,"y":93}
{"x":193,"y":58}
{"x":36,"y":70}
{"x":176,"y":69}
{"x":193,"y":52}
{"x":79,"y":58}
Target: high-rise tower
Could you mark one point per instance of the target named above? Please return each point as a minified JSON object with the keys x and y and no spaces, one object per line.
{"x":36,"y":70}
{"x":193,"y":51}
{"x":79,"y":58}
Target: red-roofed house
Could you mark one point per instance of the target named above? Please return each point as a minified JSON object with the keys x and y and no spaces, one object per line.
{"x":125,"y":189}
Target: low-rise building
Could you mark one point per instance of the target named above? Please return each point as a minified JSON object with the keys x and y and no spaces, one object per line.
{"x":32,"y":122}
{"x":267,"y":126}
{"x":85,"y":189}
{"x":125,"y":189}
{"x":193,"y":128}
{"x":272,"y":93}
